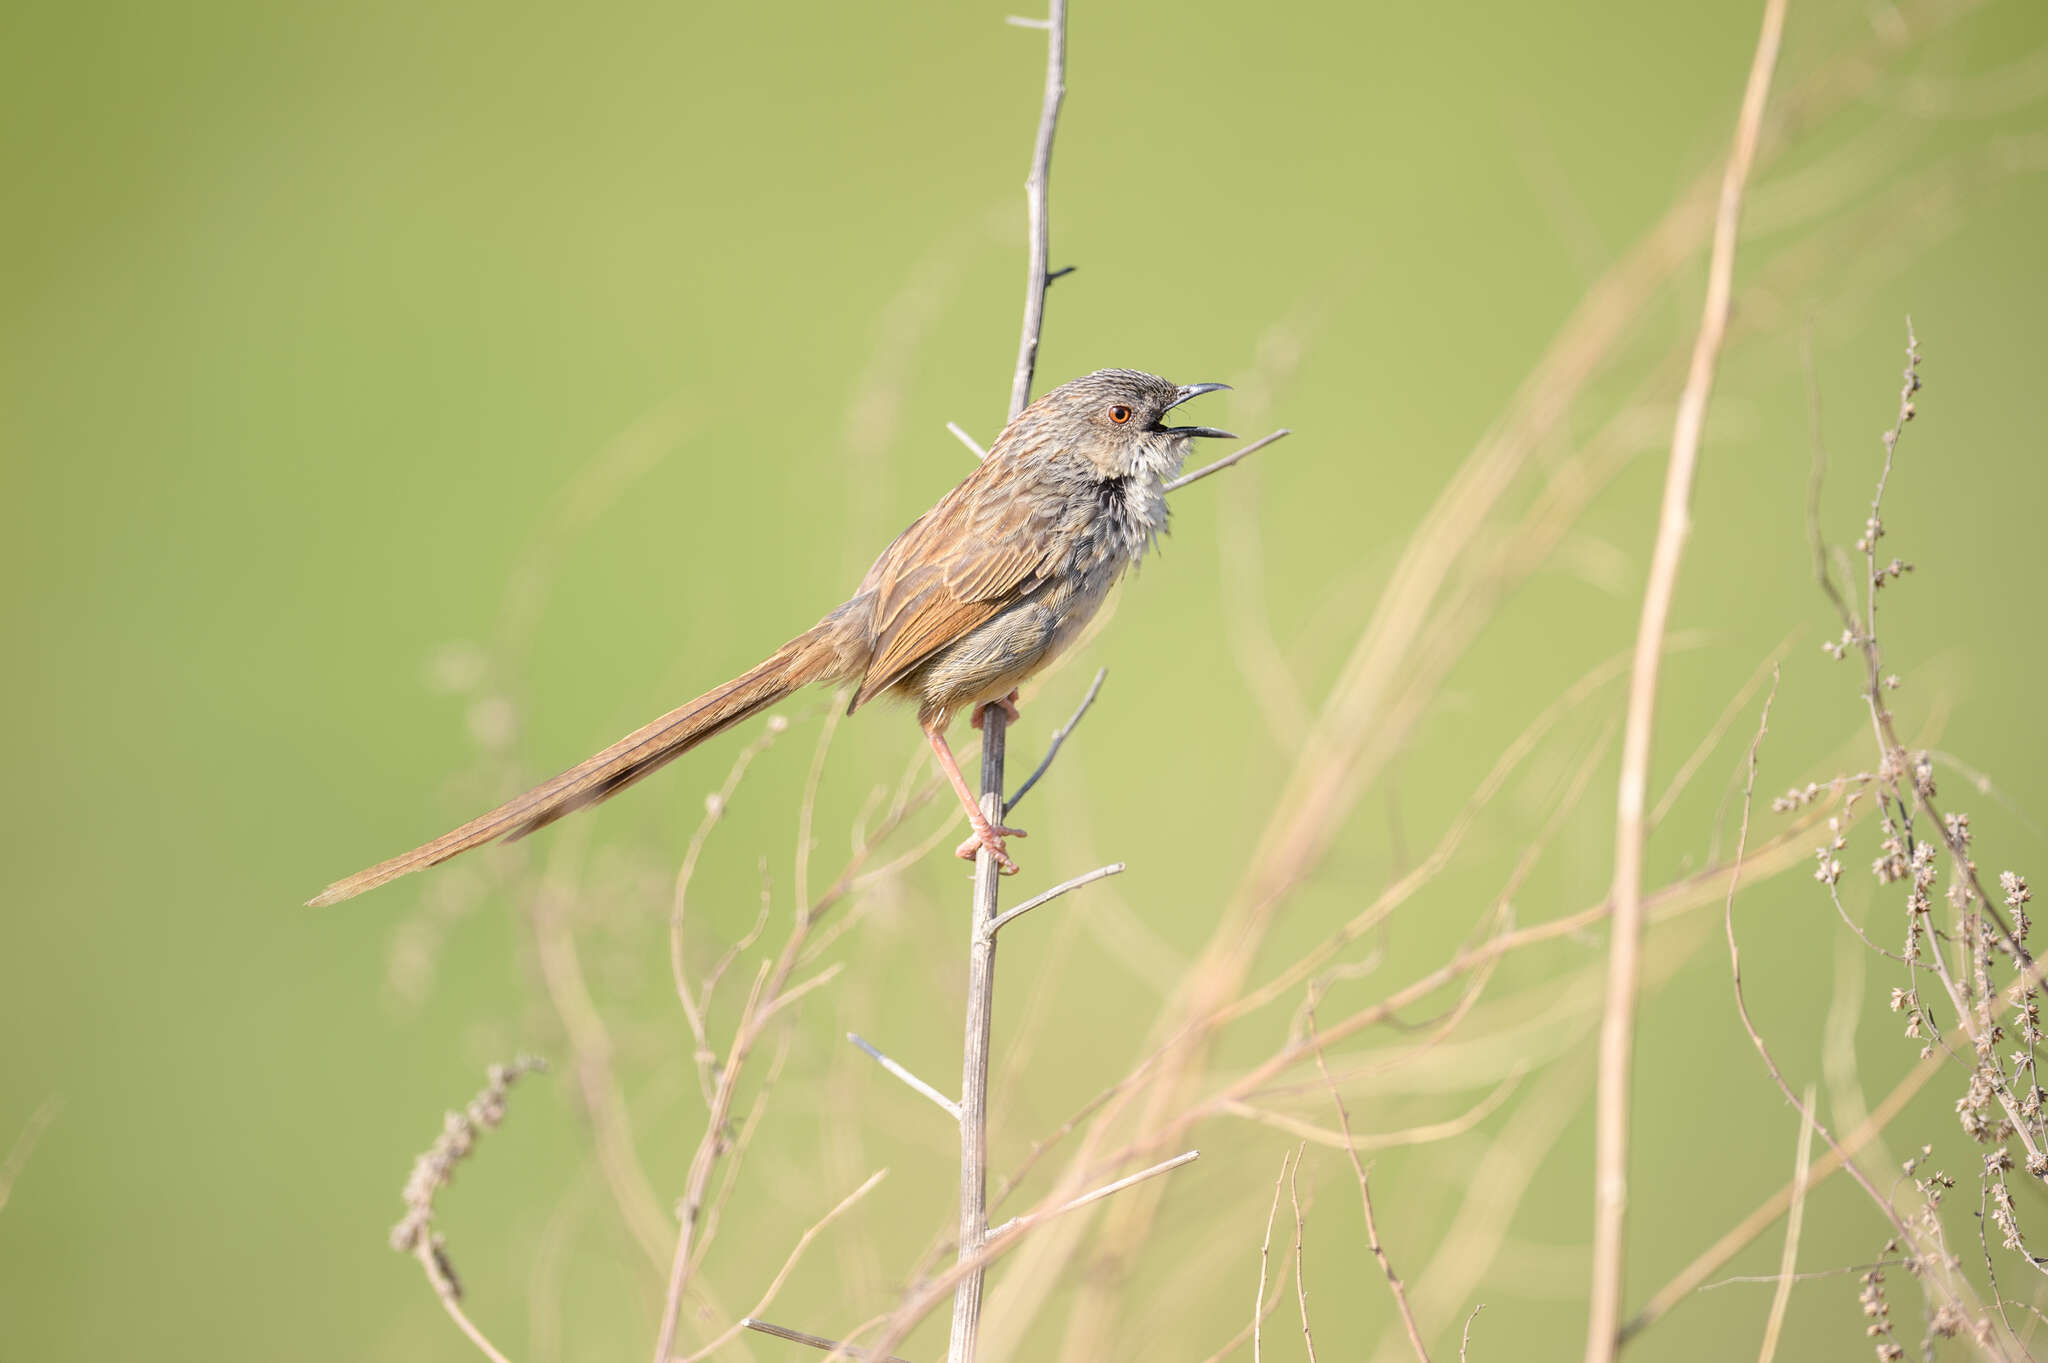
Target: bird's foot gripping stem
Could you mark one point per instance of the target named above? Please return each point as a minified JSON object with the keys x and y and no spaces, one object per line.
{"x":986,"y":834}
{"x":990,"y":836}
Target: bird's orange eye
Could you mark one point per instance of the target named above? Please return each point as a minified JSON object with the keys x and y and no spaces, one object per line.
{"x":1119,"y":414}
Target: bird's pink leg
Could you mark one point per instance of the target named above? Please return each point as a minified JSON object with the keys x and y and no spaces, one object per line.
{"x":986,"y":834}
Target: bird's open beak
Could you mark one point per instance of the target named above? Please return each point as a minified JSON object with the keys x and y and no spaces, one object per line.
{"x":1195,"y":390}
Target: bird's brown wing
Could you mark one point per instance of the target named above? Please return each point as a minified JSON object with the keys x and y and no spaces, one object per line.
{"x":957,"y":567}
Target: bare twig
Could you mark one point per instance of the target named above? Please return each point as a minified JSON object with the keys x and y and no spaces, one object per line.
{"x":973,"y":445}
{"x":1039,"y":266}
{"x":812,"y":1341}
{"x":715,"y":806}
{"x":997,"y":1243}
{"x":796,"y":1252}
{"x":1242,"y":452}
{"x":1097,"y":1194}
{"x":1465,"y":1340}
{"x":1936,"y":1279}
{"x":1244,"y":1332}
{"x":1788,"y":1262}
{"x":1426,"y":1134}
{"x":1059,"y":736}
{"x":1265,"y":1254}
{"x":770,"y":992}
{"x":738,"y":1144}
{"x":1003,"y":920}
{"x":1372,"y":1230}
{"x":1617,"y":1030}
{"x":1308,"y":1337}
{"x":952,"y":1108}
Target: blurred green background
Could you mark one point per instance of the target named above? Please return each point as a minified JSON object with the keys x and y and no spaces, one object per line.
{"x":399,"y":402}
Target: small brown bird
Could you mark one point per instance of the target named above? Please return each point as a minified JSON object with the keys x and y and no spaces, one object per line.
{"x":977,"y":595}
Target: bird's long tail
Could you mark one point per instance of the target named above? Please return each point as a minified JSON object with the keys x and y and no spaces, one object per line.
{"x":805,"y":659}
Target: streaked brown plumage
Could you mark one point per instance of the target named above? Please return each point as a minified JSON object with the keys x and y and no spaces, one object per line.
{"x":978,"y":594}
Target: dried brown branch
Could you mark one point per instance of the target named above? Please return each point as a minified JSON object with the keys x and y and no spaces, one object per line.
{"x":741,"y":1142}
{"x":1426,"y":1134}
{"x":1617,"y":1030}
{"x":919,"y":1303}
{"x":769,"y":994}
{"x":1265,"y":1255}
{"x":1244,"y":1332}
{"x":1372,"y":1230}
{"x":715,"y":806}
{"x":796,"y":1252}
{"x":1905,"y":1232}
{"x":1308,"y":1338}
{"x":1719,"y":729}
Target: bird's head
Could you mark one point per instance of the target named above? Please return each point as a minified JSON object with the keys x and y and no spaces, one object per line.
{"x":1117,"y":419}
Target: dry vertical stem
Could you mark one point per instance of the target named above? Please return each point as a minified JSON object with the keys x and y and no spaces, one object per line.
{"x":981,"y":957}
{"x":1265,"y":1254}
{"x":974,"y":1063}
{"x":1308,"y":1337}
{"x":1617,"y":1029}
{"x":926,"y":1295}
{"x":1244,"y":1332}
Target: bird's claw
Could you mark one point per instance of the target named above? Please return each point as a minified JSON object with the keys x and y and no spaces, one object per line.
{"x":1008,"y":705}
{"x":991,"y":836}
